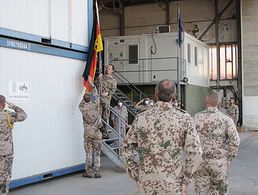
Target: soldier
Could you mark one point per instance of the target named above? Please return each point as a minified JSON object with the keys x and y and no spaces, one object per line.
{"x":117,"y":122}
{"x":90,"y":108}
{"x":220,"y":142}
{"x":108,"y":88}
{"x":161,"y":141}
{"x":232,"y":110}
{"x":175,"y":103}
{"x":144,"y":104}
{"x":9,"y":114}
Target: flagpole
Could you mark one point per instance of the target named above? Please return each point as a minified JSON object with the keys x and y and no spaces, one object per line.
{"x":178,"y":57}
{"x":100,"y":56}
{"x":99,"y":53}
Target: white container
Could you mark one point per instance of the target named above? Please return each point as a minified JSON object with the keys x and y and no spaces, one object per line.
{"x":51,"y":138}
{"x":64,"y":20}
{"x":158,"y":56}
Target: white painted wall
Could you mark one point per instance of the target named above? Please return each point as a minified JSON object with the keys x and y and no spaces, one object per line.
{"x":25,"y":15}
{"x":250,"y":57}
{"x":52,"y":136}
{"x":250,"y":111}
{"x":64,"y":20}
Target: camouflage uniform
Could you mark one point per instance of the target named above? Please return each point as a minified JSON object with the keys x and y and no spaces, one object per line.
{"x":233,"y":112}
{"x":6,"y":144}
{"x":120,"y":125}
{"x":220,"y":142}
{"x":92,"y":135}
{"x":109,"y":85}
{"x":159,"y":137}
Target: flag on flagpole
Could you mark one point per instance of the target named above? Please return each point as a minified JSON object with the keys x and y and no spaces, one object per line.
{"x":95,"y":47}
{"x":180,"y":28}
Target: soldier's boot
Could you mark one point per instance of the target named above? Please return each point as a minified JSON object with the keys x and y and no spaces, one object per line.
{"x":3,"y":189}
{"x":88,"y":173}
{"x":97,"y":174}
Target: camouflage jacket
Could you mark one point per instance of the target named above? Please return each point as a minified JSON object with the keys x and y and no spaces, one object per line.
{"x":6,"y":138}
{"x":160,"y":136}
{"x":91,"y":111}
{"x":233,"y":112}
{"x":108,"y":86}
{"x":218,"y":134}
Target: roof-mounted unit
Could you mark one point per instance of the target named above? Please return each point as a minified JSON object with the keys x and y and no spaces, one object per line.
{"x":163,"y":28}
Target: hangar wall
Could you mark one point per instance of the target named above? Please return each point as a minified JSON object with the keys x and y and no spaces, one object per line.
{"x":196,"y":16}
{"x":250,"y":59}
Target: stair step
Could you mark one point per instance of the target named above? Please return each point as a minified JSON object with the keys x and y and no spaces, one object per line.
{"x":114,"y":148}
{"x":110,"y":139}
{"x":124,"y":98}
{"x":120,"y":95}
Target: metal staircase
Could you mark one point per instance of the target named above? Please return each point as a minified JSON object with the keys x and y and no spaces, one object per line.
{"x":112,"y":147}
{"x":119,"y":95}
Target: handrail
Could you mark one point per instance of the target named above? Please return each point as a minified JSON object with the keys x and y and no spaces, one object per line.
{"x":118,"y":115}
{"x":115,"y":112}
{"x":120,"y":138}
{"x":128,"y":107}
{"x":150,"y":58}
{"x":126,"y":84}
{"x":130,"y":84}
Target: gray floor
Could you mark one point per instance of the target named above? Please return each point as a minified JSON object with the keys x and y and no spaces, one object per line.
{"x":243,"y":177}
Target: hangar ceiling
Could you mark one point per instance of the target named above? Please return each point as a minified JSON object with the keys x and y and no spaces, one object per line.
{"x":115,"y":3}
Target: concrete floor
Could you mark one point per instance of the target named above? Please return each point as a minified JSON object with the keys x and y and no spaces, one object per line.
{"x":243,"y":177}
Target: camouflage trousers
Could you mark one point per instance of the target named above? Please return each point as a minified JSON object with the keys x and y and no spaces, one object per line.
{"x":92,"y":146}
{"x":160,"y":187}
{"x":211,"y":177}
{"x":5,"y":173}
{"x":105,"y":113}
{"x":159,"y":192}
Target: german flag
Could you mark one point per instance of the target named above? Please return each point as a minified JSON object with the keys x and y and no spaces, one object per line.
{"x":95,"y":47}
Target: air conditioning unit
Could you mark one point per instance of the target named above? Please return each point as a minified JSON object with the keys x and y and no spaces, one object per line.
{"x":163,"y":28}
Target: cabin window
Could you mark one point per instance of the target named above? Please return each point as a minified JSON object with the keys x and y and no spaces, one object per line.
{"x":188,"y":53}
{"x":133,"y":54}
{"x":195,"y":56}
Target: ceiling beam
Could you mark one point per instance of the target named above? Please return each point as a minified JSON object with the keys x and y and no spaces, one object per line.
{"x":214,"y":20}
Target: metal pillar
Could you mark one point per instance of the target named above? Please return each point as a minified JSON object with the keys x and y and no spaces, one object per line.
{"x":122,"y":18}
{"x":167,"y":13}
{"x":240,"y":69}
{"x":217,"y":40}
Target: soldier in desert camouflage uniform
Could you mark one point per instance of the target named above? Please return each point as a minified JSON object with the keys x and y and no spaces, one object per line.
{"x":155,"y":144}
{"x":107,"y":85}
{"x":9,"y":114}
{"x":232,"y":110}
{"x":220,"y":142}
{"x":90,"y":108}
{"x":144,"y":104}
